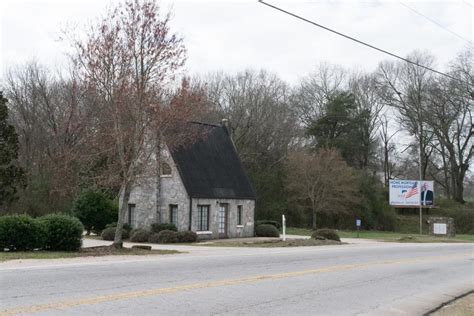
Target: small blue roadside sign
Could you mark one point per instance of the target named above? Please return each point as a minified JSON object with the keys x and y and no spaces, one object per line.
{"x":358,"y":222}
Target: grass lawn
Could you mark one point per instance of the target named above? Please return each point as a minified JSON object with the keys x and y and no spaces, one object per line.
{"x":84,"y":252}
{"x":274,"y":243}
{"x":461,"y":306}
{"x":386,"y":236}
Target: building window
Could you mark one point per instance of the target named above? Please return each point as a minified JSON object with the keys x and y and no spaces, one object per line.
{"x":203,"y":217}
{"x":239,"y":214}
{"x":165,"y":169}
{"x":131,"y":214}
{"x":174,"y":214}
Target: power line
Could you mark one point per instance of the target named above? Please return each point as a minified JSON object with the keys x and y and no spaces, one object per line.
{"x":467,"y":3}
{"x":435,"y":22}
{"x":360,"y":42}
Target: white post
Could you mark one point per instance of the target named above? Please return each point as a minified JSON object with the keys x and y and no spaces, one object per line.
{"x":283,"y":222}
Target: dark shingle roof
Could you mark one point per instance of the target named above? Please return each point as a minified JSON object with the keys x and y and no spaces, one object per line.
{"x":210,"y":166}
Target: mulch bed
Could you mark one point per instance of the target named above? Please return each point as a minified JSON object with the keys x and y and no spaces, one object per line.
{"x":111,"y":250}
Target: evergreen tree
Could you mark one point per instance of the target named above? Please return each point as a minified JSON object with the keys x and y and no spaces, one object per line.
{"x":346,"y":127}
{"x":11,"y":176}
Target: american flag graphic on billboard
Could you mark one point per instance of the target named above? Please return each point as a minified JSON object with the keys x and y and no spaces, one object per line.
{"x":413,"y":190}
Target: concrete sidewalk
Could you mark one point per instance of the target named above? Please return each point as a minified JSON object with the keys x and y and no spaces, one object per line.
{"x":201,"y":247}
{"x":355,"y":241}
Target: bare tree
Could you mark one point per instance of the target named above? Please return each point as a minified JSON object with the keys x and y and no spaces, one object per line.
{"x":369,"y":107}
{"x":450,"y":119}
{"x":125,"y":62}
{"x":406,"y":88}
{"x":321,"y":180}
{"x":316,"y":90}
{"x":256,"y":104}
{"x":50,"y":116}
{"x":263,"y":127}
{"x":388,"y":147}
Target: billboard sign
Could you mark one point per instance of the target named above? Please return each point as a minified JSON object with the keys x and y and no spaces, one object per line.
{"x":411,"y":193}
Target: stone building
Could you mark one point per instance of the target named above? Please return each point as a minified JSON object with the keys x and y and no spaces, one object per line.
{"x":202,"y":187}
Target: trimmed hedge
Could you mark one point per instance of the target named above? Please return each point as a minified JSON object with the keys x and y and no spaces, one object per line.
{"x":21,"y":232}
{"x":64,"y":232}
{"x":139,"y":235}
{"x":268,"y":222}
{"x":267,"y":230}
{"x":166,"y":237}
{"x":109,"y":233}
{"x":154,"y":239}
{"x":156,"y":228}
{"x":187,"y":236}
{"x":326,"y":233}
{"x":126,"y":226}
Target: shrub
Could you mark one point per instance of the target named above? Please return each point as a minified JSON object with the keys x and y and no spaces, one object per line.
{"x":139,"y":235}
{"x":109,"y":233}
{"x":165,"y":237}
{"x":267,"y":230}
{"x":94,"y":210}
{"x":21,"y":232}
{"x":463,"y":216}
{"x":156,"y":228}
{"x":187,"y":236}
{"x":269,"y":222}
{"x":64,"y":232}
{"x":326,"y":233}
{"x":386,"y":219}
{"x":154,"y":239}
{"x":126,"y":226}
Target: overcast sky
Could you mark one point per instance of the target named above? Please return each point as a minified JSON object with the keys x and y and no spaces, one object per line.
{"x":234,"y":35}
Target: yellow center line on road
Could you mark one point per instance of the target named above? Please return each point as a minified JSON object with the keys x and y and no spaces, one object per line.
{"x":213,"y":284}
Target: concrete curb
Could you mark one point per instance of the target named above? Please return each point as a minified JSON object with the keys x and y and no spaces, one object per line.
{"x":434,"y":310}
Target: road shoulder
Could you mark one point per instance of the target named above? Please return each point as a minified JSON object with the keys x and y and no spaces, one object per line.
{"x":460,"y":306}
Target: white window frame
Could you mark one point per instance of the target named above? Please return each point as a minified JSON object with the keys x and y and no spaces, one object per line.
{"x":240,"y":215}
{"x":166,"y":175}
{"x":200,"y":226}
{"x":174,"y":214}
{"x":131,"y":215}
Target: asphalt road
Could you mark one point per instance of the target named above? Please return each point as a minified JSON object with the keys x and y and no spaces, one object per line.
{"x":365,"y":279}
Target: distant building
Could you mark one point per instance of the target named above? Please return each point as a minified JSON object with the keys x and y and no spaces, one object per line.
{"x":204,"y":188}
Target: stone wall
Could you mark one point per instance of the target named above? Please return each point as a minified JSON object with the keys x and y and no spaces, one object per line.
{"x":174,"y":192}
{"x":233,"y":230}
{"x":448,"y":221}
{"x":144,"y":196}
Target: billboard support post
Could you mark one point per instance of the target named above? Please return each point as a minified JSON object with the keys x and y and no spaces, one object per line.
{"x":421,"y":178}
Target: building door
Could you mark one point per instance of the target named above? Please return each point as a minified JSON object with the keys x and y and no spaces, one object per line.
{"x":223,"y":216}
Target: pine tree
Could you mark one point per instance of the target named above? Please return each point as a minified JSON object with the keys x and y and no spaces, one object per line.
{"x":11,"y":176}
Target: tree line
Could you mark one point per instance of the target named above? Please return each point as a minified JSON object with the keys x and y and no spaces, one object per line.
{"x":323,"y":147}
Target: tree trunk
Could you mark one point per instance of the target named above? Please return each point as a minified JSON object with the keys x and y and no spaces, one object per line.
{"x":123,"y":202}
{"x":314,"y":217}
{"x":158,"y":179}
{"x":459,"y":181}
{"x":386,"y":166}
{"x":445,"y":172}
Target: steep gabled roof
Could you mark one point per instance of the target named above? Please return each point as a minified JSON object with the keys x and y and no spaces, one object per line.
{"x":210,"y":166}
